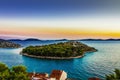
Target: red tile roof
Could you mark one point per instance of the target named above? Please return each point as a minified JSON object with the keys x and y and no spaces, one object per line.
{"x":94,"y":78}
{"x":56,"y":74}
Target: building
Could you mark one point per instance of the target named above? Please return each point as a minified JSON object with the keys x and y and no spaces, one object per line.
{"x":58,"y":75}
{"x":38,"y":76}
{"x":55,"y":75}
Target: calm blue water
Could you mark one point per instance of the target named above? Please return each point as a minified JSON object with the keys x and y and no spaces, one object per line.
{"x":95,"y":64}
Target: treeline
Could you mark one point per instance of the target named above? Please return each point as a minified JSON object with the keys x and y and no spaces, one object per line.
{"x":14,"y":73}
{"x":66,"y":49}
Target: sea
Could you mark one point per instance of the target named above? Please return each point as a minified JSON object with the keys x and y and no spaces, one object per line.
{"x":93,"y":64}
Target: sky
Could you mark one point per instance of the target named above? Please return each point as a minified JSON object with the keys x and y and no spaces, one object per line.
{"x":58,"y":19}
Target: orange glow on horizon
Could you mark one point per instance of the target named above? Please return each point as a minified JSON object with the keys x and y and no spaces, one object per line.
{"x":72,"y":28}
{"x":57,"y":32}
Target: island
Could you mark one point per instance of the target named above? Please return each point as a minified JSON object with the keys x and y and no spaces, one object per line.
{"x":8,"y":44}
{"x":111,"y":39}
{"x":62,"y":50}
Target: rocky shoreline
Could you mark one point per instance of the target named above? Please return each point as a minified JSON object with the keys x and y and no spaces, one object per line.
{"x":47,"y":57}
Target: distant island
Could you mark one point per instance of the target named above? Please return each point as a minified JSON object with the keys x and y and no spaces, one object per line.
{"x":35,"y":39}
{"x":100,"y":39}
{"x":66,"y":50}
{"x":8,"y":44}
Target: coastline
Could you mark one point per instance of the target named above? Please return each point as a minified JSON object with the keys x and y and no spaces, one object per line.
{"x":59,"y":58}
{"x":47,"y":57}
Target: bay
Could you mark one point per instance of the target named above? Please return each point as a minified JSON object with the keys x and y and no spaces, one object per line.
{"x":94,"y":64}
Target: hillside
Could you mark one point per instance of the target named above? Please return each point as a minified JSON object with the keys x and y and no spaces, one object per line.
{"x":8,"y":44}
{"x":59,"y":50}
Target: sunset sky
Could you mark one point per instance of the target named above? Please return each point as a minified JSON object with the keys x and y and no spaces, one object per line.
{"x":58,"y":19}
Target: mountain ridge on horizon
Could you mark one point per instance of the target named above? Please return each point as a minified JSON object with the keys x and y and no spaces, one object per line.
{"x":36,"y":39}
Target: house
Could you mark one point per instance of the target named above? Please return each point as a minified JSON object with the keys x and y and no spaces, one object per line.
{"x":58,"y":75}
{"x":55,"y":75}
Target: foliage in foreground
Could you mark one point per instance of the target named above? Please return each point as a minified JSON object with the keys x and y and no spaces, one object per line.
{"x":14,"y":73}
{"x":20,"y":73}
{"x":114,"y":76}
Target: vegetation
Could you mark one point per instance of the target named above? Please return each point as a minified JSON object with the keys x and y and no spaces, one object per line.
{"x":14,"y":73}
{"x":8,"y":44}
{"x":66,"y":49}
{"x":114,"y":76}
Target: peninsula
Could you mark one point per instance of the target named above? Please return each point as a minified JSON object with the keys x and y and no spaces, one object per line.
{"x":63,"y":50}
{"x":8,"y":44}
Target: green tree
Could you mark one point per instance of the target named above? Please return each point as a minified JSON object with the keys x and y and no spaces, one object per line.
{"x":5,"y":75}
{"x":3,"y":67}
{"x":14,"y":73}
{"x":19,"y":69}
{"x":20,"y":76}
{"x":114,"y":76}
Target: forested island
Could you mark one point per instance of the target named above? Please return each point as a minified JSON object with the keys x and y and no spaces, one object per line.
{"x":63,"y":50}
{"x":8,"y":44}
